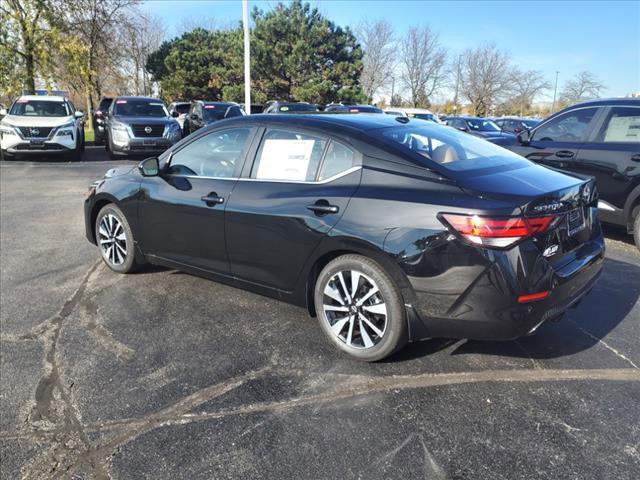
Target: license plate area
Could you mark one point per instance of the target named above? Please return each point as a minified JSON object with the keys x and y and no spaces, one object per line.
{"x":575,"y":221}
{"x":36,"y":143}
{"x":149,"y":143}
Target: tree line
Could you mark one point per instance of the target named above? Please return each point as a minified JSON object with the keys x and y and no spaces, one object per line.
{"x":92,"y":47}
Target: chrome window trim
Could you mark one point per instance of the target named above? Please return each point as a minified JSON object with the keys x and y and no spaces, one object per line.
{"x":244,"y":179}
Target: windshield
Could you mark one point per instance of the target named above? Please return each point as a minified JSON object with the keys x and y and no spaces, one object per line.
{"x":530,"y":123}
{"x":140,"y":108}
{"x":452,"y":149}
{"x":424,"y":116}
{"x":481,"y":125}
{"x":182,"y":108}
{"x":214,"y":112}
{"x":40,"y":108}
{"x":297,"y":107}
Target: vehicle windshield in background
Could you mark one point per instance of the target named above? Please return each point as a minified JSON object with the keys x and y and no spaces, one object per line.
{"x":140,"y":108}
{"x":452,"y":149}
{"x":213,"y":112}
{"x":530,"y":123}
{"x":479,"y":125}
{"x":182,"y":108}
{"x":424,"y":116}
{"x":297,"y":107}
{"x":365,"y":109}
{"x":40,"y":108}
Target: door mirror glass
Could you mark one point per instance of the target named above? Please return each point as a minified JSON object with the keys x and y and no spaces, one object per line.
{"x":79,"y":114}
{"x":149,"y":167}
{"x":524,"y":137}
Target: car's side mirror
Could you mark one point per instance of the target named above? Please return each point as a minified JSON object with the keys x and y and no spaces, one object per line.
{"x":194,"y":116}
{"x":462,"y":129}
{"x":175,"y":114}
{"x":79,"y":114}
{"x":149,"y":167}
{"x":524,"y":137}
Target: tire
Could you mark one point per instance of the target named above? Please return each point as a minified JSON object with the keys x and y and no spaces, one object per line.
{"x":386,"y":330}
{"x":5,"y":157}
{"x":636,"y":226}
{"x":107,"y":146}
{"x":117,"y":252}
{"x":76,"y":153}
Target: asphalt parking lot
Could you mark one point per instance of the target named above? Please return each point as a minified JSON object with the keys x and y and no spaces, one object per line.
{"x":165,"y":375}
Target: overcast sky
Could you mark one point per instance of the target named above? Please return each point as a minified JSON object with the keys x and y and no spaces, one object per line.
{"x":550,"y":36}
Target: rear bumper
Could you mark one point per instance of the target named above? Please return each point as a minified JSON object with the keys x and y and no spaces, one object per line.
{"x":489,"y":310}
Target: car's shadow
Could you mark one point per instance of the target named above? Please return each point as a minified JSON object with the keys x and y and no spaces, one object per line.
{"x":606,"y":306}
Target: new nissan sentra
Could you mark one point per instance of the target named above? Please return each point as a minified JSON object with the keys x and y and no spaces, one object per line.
{"x":387,"y":229}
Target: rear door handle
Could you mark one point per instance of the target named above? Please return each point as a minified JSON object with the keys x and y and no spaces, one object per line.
{"x":564,"y":154}
{"x":635,"y":158}
{"x":322,"y":207}
{"x":212,"y":199}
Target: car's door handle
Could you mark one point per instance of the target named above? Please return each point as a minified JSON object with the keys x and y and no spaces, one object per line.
{"x":564,"y":154}
{"x":635,"y":158}
{"x":322,"y":207}
{"x":212,"y":199}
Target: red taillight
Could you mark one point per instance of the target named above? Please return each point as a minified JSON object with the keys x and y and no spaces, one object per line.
{"x":496,"y":232}
{"x":98,"y":113}
{"x":533,"y":297}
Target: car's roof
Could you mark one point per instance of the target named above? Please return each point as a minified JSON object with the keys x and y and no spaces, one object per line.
{"x":46,"y":98}
{"x":467,"y":117}
{"x":359,"y":121}
{"x":608,"y":101}
{"x":133,"y":97}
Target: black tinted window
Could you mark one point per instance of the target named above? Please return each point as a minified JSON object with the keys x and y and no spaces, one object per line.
{"x":338,"y":159}
{"x":140,"y":108}
{"x":569,"y":127}
{"x":622,"y":125}
{"x":214,"y":155}
{"x":234,"y":112}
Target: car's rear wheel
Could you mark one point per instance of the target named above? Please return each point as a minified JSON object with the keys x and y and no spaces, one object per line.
{"x":115,"y":240}
{"x":4,"y":156}
{"x":360,"y":308}
{"x":636,"y":226}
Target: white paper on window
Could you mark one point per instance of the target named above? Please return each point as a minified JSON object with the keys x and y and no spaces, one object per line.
{"x":285,"y":159}
{"x":623,"y":129}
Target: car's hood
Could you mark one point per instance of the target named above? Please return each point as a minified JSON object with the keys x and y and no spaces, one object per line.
{"x":144,"y":120}
{"x":118,"y":171}
{"x":35,"y":121}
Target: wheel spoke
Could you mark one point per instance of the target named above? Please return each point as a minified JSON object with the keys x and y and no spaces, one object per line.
{"x":355,"y":280}
{"x":375,"y":329}
{"x":103,"y":229}
{"x":121,"y":248}
{"x":334,"y":308}
{"x":122,"y":237}
{"x":329,"y":291}
{"x":378,"y":309}
{"x":109,"y":252}
{"x":350,"y":332}
{"x":103,"y":241}
{"x":365,"y":336}
{"x":339,"y":325}
{"x":344,"y":287}
{"x":117,"y":254}
{"x":369,"y":294}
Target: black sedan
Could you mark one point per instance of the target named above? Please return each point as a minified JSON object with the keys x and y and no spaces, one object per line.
{"x":483,"y":128}
{"x":386,"y":229}
{"x":516,"y":125}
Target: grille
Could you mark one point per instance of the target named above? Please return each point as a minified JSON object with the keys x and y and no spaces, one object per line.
{"x":35,"y":132}
{"x":139,"y":130}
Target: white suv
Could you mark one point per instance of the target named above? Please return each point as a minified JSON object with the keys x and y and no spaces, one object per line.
{"x":38,"y":125}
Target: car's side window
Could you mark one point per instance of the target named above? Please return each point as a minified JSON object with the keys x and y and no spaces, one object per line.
{"x":213,"y":155}
{"x":287,"y":155}
{"x":570,"y":127}
{"x":338,"y":159}
{"x":233,"y":112}
{"x":622,"y":125}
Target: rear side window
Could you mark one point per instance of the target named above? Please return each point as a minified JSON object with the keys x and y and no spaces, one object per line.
{"x":338,"y":159}
{"x":622,"y":125}
{"x":570,"y":127}
{"x":286,"y":155}
{"x":450,"y":148}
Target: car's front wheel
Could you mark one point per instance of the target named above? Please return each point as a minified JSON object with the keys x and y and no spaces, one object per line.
{"x":115,"y":240}
{"x":636,"y":226}
{"x":360,"y":308}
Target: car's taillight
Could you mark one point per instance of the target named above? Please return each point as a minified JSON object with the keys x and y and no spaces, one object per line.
{"x":98,"y":113}
{"x":496,"y":232}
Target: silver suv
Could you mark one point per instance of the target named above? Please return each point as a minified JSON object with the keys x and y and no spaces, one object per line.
{"x":139,"y":125}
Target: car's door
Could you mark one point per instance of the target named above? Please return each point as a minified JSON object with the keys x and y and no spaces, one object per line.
{"x":182,"y":210}
{"x":557,"y":141}
{"x":612,"y":156}
{"x":296,"y":190}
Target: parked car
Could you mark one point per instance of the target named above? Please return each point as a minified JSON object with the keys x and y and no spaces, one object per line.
{"x":37,"y":125}
{"x":351,"y":108}
{"x":139,"y":125}
{"x":515,"y":125}
{"x":98,"y":119}
{"x":600,"y":138}
{"x":481,"y":127}
{"x":289,"y":107}
{"x":3,"y":111}
{"x":179,"y":111}
{"x":387,"y":230}
{"x":204,"y":113}
{"x":419,"y":113}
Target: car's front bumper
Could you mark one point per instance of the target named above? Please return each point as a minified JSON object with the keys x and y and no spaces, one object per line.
{"x":15,"y":145}
{"x":134,"y":146}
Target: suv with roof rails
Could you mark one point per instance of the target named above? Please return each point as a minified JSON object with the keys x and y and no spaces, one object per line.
{"x":42,"y":125}
{"x":599,"y":138}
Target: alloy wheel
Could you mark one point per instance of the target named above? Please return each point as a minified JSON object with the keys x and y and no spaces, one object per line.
{"x":355,"y":309}
{"x":113,"y":239}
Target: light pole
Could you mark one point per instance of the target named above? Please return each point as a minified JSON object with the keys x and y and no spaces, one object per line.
{"x":455,"y":98}
{"x":247,"y":57}
{"x":555,"y":90}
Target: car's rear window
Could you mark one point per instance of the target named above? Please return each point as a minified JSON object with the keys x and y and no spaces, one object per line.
{"x":451,"y":149}
{"x":182,"y":107}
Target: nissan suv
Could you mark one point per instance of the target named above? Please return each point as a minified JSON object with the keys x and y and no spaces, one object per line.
{"x":139,"y":125}
{"x":599,"y":138}
{"x":42,"y":125}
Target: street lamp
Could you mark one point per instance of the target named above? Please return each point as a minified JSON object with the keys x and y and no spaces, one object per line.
{"x":555,"y":90}
{"x":247,"y":59}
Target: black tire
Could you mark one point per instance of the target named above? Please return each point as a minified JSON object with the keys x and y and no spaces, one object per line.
{"x":392,"y":324}
{"x":76,"y":154}
{"x":107,"y":143}
{"x":5,"y":157}
{"x":131,"y":260}
{"x":635,"y":215}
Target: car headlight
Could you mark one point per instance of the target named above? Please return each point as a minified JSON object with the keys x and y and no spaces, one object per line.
{"x":119,"y":132}
{"x":173,"y":131}
{"x":6,"y":129}
{"x":66,"y":130}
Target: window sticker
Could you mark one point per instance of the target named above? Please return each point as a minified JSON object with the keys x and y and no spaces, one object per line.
{"x":121,"y":101}
{"x":22,"y":100}
{"x":285,"y":159}
{"x":284,"y":109}
{"x":157,"y":104}
{"x":623,"y":129}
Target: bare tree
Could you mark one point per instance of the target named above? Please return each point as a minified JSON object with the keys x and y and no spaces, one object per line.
{"x":424,"y":62}
{"x":486,"y":77}
{"x":526,"y":87}
{"x":583,"y":86}
{"x":377,"y":41}
{"x":143,"y":35}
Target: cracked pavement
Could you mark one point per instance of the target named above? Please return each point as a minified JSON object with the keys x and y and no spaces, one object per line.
{"x":165,"y":375}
